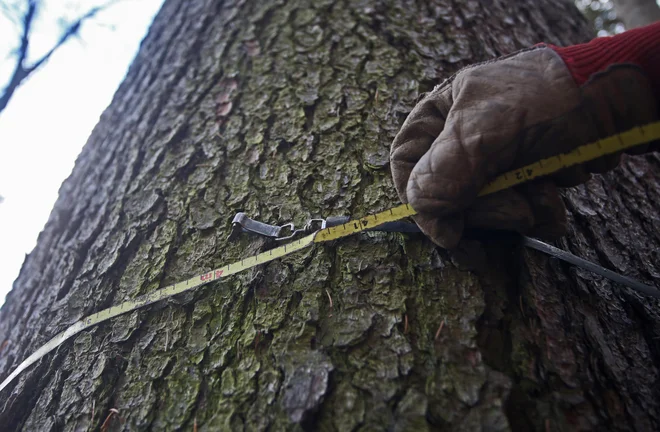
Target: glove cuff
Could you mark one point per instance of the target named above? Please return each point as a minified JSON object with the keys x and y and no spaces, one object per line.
{"x":637,"y":46}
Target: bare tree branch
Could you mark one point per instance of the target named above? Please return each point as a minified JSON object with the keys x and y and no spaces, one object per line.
{"x":22,"y":71}
{"x":10,"y":12}
{"x":72,"y":30}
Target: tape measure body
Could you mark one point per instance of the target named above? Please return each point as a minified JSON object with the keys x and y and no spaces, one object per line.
{"x":617,"y":143}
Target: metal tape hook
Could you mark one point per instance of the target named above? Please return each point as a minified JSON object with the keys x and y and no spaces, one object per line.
{"x":243,"y":224}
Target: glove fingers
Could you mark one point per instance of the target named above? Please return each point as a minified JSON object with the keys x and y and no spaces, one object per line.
{"x":442,"y":179}
{"x":534,"y":209}
{"x":571,"y":176}
{"x":640,"y":149}
{"x":422,"y":126}
{"x":450,"y":175}
{"x":505,"y":210}
{"x":603,"y":164}
{"x":445,"y":232}
{"x":654,"y":146}
{"x":548,"y":207}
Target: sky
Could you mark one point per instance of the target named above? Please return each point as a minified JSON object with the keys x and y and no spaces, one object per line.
{"x":50,"y":117}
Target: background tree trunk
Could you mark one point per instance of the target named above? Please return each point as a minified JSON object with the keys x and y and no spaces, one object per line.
{"x":286,"y":110}
{"x":637,"y":13}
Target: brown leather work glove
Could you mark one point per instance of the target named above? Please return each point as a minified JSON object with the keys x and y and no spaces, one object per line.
{"x":500,"y":115}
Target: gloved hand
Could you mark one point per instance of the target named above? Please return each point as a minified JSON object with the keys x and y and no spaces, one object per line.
{"x":500,"y":115}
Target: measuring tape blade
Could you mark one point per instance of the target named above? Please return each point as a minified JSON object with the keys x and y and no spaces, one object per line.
{"x":358,"y":225}
{"x":613,"y":144}
{"x":157,"y":295}
{"x":610,"y":145}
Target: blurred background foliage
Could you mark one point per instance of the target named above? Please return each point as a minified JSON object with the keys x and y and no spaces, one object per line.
{"x":601,"y":15}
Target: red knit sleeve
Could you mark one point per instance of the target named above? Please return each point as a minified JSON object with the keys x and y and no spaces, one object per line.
{"x":640,"y":46}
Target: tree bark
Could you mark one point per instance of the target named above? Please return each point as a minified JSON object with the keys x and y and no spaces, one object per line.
{"x":637,"y":13}
{"x":285,"y":110}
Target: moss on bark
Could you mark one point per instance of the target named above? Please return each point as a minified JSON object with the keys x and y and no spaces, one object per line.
{"x":285,"y":110}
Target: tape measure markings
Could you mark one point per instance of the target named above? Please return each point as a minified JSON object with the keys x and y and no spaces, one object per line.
{"x":609,"y":145}
{"x":358,"y":225}
{"x":155,"y":296}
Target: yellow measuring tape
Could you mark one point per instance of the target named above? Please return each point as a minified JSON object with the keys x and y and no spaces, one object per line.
{"x":616,"y":143}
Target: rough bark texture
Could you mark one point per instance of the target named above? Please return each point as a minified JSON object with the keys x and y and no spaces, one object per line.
{"x":286,"y":110}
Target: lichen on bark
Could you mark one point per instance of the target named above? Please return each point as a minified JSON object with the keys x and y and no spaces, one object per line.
{"x":285,"y":110}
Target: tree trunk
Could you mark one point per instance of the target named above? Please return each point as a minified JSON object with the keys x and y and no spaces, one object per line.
{"x":285,"y":110}
{"x":637,"y":13}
